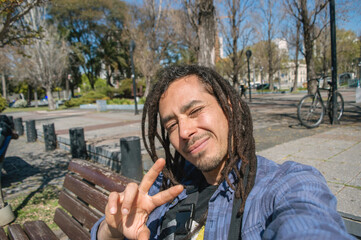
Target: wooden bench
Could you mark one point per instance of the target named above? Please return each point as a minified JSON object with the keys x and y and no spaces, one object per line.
{"x":84,"y":196}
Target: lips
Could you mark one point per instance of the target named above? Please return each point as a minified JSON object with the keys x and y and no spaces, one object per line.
{"x":198,"y":145}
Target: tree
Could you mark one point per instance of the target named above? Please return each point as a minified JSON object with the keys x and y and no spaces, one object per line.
{"x":14,"y":29}
{"x":46,"y":59}
{"x":185,"y":39}
{"x":269,"y":32}
{"x":92,"y":27}
{"x":307,"y":13}
{"x":323,"y":47}
{"x":293,"y":39}
{"x":201,"y":15}
{"x":149,"y":28}
{"x":348,"y":50}
{"x":236,"y":31}
{"x":5,"y":68}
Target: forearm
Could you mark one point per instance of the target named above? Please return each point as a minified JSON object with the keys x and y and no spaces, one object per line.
{"x":105,"y":232}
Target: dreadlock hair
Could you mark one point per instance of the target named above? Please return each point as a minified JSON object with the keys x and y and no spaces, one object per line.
{"x":241,"y":143}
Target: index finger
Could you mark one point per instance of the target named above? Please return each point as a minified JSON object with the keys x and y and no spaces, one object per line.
{"x":150,"y":177}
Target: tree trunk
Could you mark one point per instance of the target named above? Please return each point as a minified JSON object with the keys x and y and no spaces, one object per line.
{"x":50,"y":98}
{"x":296,"y":55}
{"x":206,"y":33}
{"x":30,"y":92}
{"x":235,"y":81}
{"x":67,"y":88}
{"x":308,"y":29}
{"x":36,"y":98}
{"x":3,"y":85}
{"x":147,"y":86}
{"x":270,"y":62}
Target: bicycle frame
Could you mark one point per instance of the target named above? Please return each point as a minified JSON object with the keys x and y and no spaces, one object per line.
{"x":311,"y":108}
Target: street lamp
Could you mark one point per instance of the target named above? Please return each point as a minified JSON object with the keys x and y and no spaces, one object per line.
{"x":334,"y":119}
{"x":261,"y":79}
{"x":249,"y":54}
{"x":132,"y":47}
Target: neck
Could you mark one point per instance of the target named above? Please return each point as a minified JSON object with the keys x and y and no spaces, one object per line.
{"x":213,"y":177}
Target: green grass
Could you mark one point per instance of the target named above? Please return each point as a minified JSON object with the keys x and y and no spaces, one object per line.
{"x":39,"y":206}
{"x":30,"y":109}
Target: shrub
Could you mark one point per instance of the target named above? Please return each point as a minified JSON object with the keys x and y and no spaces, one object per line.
{"x":142,"y":100}
{"x":87,"y":98}
{"x":3,"y":103}
{"x":21,"y":103}
{"x":121,"y":101}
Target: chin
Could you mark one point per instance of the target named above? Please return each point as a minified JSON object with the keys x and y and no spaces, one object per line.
{"x":208,"y":165}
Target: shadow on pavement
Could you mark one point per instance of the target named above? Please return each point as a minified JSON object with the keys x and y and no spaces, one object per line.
{"x":15,"y":169}
{"x":21,"y":178}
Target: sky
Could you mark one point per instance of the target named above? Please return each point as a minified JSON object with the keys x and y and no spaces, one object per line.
{"x":354,"y":22}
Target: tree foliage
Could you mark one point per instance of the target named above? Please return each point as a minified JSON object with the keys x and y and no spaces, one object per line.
{"x":149,"y":28}
{"x":94,"y":29}
{"x":45,"y":61}
{"x":237,"y":32}
{"x":14,"y":29}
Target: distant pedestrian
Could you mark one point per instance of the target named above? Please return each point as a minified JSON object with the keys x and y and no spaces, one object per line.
{"x":243,"y":91}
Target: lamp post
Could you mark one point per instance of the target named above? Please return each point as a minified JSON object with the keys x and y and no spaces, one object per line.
{"x":249,"y":54}
{"x":261,"y":79}
{"x":334,"y":119}
{"x":132,"y":47}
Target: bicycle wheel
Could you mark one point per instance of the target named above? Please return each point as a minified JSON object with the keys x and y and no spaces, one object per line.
{"x":339,"y":106}
{"x":310,"y":111}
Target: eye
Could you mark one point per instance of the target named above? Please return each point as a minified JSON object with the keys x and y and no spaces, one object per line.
{"x":195,"y":111}
{"x":171,"y":126}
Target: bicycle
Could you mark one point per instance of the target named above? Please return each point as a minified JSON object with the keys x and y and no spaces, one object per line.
{"x":311,"y":108}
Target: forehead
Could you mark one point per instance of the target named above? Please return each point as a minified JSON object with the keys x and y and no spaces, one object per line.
{"x":183,"y":91}
{"x":186,"y":86}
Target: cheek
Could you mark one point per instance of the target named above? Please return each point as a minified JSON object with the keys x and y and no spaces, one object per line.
{"x":174,"y":140}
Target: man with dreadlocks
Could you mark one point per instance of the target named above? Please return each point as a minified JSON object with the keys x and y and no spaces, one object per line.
{"x":211,"y":184}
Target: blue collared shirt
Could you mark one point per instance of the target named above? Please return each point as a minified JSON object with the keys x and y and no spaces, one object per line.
{"x":288,"y":201}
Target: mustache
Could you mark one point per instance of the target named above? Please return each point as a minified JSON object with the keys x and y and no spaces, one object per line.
{"x":195,"y":139}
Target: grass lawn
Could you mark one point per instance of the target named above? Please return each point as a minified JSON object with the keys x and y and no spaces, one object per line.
{"x":38,"y":206}
{"x":31,"y":109}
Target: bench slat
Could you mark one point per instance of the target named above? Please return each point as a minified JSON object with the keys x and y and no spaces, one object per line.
{"x":38,"y":230}
{"x":69,"y":226}
{"x":16,"y":232}
{"x":100,"y":176}
{"x":3,"y":234}
{"x":86,"y":192}
{"x":78,"y":210}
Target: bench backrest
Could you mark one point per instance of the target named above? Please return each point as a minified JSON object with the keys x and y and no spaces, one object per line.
{"x":84,"y":197}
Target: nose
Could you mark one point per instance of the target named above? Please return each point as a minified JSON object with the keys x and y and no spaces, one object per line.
{"x":186,"y":128}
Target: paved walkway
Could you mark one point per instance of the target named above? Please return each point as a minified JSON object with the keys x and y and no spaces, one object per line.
{"x":334,"y":150}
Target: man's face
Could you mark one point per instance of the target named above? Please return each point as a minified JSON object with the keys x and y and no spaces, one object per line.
{"x":196,"y":124}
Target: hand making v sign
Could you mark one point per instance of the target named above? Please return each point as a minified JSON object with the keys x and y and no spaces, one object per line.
{"x":126,"y":213}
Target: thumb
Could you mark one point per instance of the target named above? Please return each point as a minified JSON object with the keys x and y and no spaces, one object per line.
{"x":143,"y":233}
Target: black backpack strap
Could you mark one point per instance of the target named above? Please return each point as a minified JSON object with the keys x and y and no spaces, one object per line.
{"x":236,"y":221}
{"x":185,"y":214}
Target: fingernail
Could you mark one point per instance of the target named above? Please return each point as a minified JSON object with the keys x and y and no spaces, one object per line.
{"x":125,"y":211}
{"x":113,"y":210}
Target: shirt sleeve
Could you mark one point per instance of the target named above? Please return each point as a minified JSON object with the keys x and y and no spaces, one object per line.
{"x":94,"y":230}
{"x":304,"y":207}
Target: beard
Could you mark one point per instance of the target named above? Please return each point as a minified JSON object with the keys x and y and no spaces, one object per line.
{"x":201,"y":161}
{"x":208,"y":163}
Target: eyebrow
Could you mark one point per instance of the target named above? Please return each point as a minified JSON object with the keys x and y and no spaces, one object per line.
{"x":183,"y":109}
